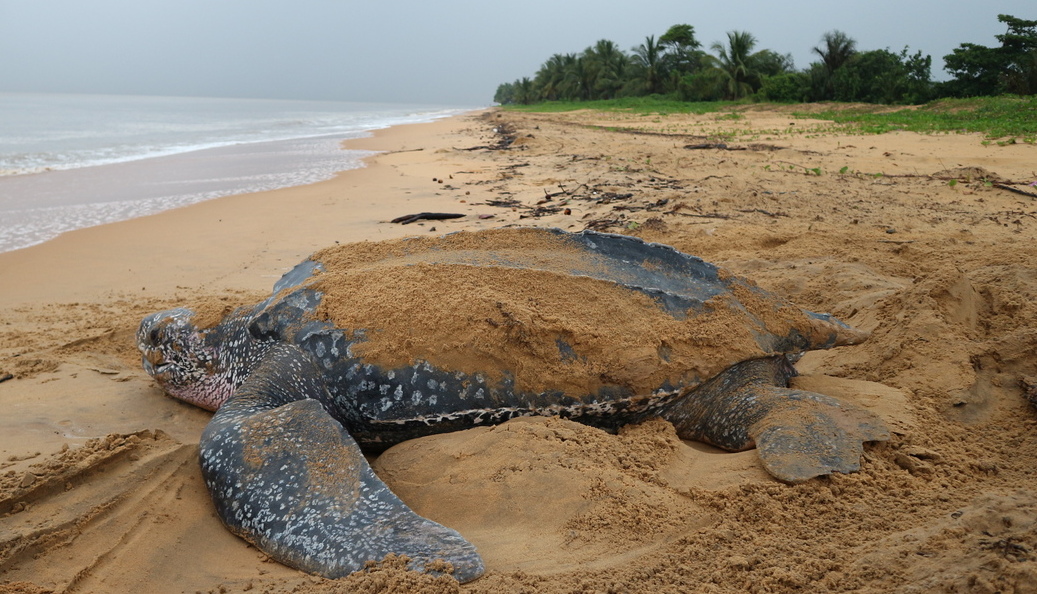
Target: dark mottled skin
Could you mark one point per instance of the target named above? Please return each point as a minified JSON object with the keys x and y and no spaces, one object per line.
{"x":282,"y":457}
{"x":327,"y":516}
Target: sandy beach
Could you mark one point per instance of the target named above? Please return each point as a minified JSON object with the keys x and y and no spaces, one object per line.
{"x":912,"y":237}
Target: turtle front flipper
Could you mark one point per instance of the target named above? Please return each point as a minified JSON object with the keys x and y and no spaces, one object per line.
{"x":798,"y":434}
{"x":288,"y":478}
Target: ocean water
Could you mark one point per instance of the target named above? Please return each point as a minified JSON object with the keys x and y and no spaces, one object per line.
{"x":73,"y":161}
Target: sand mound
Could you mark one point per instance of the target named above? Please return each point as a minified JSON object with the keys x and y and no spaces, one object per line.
{"x":985,"y":547}
{"x":548,"y":495}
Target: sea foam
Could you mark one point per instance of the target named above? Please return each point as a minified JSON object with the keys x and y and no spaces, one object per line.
{"x":73,"y":161}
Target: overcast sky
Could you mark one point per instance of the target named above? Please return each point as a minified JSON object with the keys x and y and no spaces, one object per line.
{"x":452,"y":52}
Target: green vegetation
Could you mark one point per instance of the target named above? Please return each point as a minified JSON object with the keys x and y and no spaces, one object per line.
{"x":1011,"y":68}
{"x":675,"y":66}
{"x":1009,"y":118}
{"x":648,"y":104}
{"x":998,"y":117}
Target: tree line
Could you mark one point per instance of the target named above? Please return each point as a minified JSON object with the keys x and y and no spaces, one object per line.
{"x":675,"y":65}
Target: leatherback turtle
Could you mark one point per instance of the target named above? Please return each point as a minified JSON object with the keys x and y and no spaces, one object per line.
{"x":365,"y":345}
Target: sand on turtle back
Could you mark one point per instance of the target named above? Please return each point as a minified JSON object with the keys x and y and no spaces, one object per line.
{"x":509,"y":299}
{"x":210,"y":312}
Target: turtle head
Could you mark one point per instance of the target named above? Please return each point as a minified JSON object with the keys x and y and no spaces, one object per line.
{"x":192,"y":364}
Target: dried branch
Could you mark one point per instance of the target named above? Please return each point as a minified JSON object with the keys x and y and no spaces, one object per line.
{"x":428,"y":216}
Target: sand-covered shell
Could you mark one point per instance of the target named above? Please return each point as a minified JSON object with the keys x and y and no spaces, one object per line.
{"x":482,"y":326}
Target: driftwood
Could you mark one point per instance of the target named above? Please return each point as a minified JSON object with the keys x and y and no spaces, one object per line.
{"x":603,"y":224}
{"x":1002,"y":185}
{"x":715,"y":215}
{"x":714,"y":145}
{"x":766,"y":212}
{"x":506,"y":135}
{"x":606,"y":197}
{"x":637,"y":132}
{"x":509,"y":203}
{"x":721,"y":146}
{"x":563,"y":192}
{"x":426,"y":216}
{"x":1014,"y":190}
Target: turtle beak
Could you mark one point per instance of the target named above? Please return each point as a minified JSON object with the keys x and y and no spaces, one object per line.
{"x":156,"y":332}
{"x":155,"y":358}
{"x":154,"y":362}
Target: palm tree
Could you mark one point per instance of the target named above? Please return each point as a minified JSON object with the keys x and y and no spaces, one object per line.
{"x":579,"y":78}
{"x":609,"y":65}
{"x":550,"y":79}
{"x":838,"y":48}
{"x":567,"y":89}
{"x":734,"y":62}
{"x":681,"y":49}
{"x":524,"y":92}
{"x":648,"y":59}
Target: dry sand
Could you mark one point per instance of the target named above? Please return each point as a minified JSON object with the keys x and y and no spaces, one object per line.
{"x":99,"y":485}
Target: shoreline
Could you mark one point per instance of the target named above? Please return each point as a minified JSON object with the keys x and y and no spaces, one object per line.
{"x":145,"y":246}
{"x":51,"y":203}
{"x":164,"y":163}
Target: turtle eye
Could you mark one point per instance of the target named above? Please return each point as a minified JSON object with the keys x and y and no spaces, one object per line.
{"x":154,"y":335}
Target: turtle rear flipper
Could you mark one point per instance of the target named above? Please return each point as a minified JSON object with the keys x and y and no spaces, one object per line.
{"x":809,"y":434}
{"x":289,"y":479}
{"x":798,"y":434}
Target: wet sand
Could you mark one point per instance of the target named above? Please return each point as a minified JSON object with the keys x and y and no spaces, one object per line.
{"x":99,"y":484}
